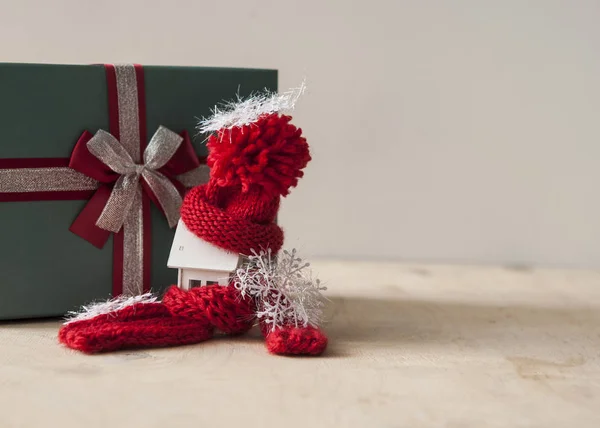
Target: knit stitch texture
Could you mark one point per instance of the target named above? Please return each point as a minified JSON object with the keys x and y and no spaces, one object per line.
{"x":237,"y":234}
{"x":185,"y":317}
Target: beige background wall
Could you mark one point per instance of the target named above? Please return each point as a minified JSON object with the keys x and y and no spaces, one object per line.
{"x":441,"y":130}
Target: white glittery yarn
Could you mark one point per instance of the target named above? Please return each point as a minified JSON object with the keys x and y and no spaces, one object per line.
{"x":113,"y":305}
{"x":242,"y":112}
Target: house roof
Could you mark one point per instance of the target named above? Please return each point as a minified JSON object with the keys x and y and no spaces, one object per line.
{"x":191,"y":252}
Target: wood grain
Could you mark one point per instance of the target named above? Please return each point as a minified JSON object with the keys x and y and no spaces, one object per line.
{"x":411,"y":346}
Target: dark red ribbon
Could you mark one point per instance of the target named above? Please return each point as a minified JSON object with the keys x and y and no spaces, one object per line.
{"x":84,"y":226}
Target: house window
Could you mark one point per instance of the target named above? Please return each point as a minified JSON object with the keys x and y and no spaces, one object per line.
{"x":212,"y":282}
{"x":195,"y":283}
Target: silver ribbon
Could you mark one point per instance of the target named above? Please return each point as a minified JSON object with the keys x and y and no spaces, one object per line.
{"x":124,"y":208}
{"x":54,"y":179}
{"x":162,"y":146}
{"x":194,"y":177}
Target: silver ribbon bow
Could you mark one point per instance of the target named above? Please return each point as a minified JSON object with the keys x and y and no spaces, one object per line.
{"x":162,"y":146}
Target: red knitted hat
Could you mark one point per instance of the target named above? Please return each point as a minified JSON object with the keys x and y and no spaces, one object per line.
{"x":252,"y":166}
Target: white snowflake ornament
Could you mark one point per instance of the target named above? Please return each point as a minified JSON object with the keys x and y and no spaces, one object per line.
{"x":283,"y":288}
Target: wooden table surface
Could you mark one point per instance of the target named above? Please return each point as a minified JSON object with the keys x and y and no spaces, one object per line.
{"x":410,"y":346}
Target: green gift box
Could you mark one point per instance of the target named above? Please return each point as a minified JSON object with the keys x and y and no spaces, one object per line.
{"x":93,"y":162}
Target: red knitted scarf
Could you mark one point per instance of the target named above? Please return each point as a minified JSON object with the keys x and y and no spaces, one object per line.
{"x":185,"y":317}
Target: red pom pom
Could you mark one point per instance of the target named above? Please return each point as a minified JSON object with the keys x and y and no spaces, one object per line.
{"x":269,"y":153}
